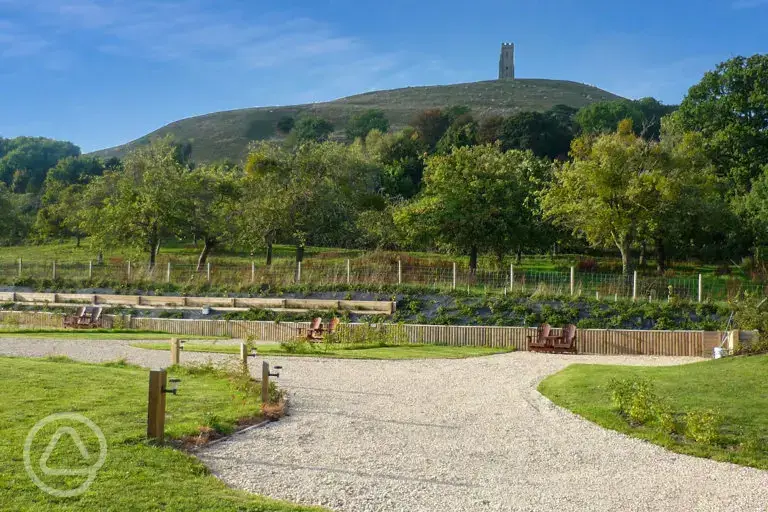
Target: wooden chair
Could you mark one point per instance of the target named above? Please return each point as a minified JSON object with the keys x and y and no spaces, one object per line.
{"x":314,"y":331}
{"x":88,"y":317}
{"x":542,"y":342}
{"x":567,"y":341}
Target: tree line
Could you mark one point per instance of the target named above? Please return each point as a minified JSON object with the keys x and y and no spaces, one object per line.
{"x":638,"y":177}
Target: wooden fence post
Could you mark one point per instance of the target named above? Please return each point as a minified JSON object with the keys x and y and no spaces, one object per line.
{"x":634,"y":286}
{"x":175,"y":351}
{"x":129,"y":269}
{"x":454,"y":275}
{"x":156,"y":405}
{"x":244,"y":355}
{"x":511,"y":277}
{"x":19,"y":267}
{"x":348,"y":272}
{"x":53,"y":271}
{"x":253,"y":272}
{"x":208,"y":272}
{"x":264,"y":382}
{"x":90,"y":269}
{"x":573,"y":276}
{"x":298,"y":271}
{"x":399,"y":272}
{"x":700,"y":288}
{"x":168,"y":273}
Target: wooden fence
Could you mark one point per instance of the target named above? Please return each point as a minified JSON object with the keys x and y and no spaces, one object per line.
{"x":589,"y":341}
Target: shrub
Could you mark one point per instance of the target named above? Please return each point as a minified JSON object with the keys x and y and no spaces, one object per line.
{"x":586,"y":265}
{"x":635,"y":398}
{"x":703,"y":426}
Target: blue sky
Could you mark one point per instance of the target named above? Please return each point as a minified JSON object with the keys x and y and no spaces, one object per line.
{"x":101,"y":73}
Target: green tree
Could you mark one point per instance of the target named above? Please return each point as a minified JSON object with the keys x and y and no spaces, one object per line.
{"x":285,"y":124}
{"x":361,"y":124}
{"x":140,"y":204}
{"x":729,"y":106}
{"x":605,"y":192}
{"x":463,"y":132}
{"x":310,"y":129}
{"x":431,"y":125}
{"x":24,"y":161}
{"x":401,"y":155}
{"x":540,"y":133}
{"x":475,"y":199}
{"x":213,"y":195}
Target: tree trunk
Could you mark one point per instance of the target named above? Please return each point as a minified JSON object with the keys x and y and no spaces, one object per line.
{"x":100,"y":258}
{"x":519,"y":256}
{"x":269,"y":253}
{"x":299,"y":253}
{"x":207,"y":248}
{"x":625,"y":247}
{"x":152,"y":255}
{"x":77,"y":241}
{"x":473,"y":259}
{"x":641,"y":258}
{"x":661,"y":256}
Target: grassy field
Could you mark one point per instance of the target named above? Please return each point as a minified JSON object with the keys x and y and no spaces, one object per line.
{"x":137,"y":475}
{"x":736,"y":388}
{"x":344,"y":351}
{"x":225,"y":135}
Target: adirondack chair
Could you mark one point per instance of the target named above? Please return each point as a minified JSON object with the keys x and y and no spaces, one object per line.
{"x":320,"y":333}
{"x":88,"y":317}
{"x":567,"y":341}
{"x":542,"y":342}
{"x":314,"y":331}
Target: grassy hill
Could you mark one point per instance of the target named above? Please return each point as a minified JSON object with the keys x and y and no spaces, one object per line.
{"x":225,"y":135}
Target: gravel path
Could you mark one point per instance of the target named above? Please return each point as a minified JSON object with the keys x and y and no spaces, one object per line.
{"x":446,"y":435}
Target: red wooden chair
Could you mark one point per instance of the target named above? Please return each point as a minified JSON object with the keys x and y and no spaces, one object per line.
{"x":314,"y":331}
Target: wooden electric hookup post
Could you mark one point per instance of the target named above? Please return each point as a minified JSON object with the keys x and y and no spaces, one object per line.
{"x":265,"y":375}
{"x":156,"y":404}
{"x":177,"y":346}
{"x":245,"y":353}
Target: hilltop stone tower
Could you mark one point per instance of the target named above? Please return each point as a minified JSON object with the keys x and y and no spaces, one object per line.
{"x":507,"y":61}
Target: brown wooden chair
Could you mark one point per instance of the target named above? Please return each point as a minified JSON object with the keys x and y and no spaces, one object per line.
{"x":542,"y":342}
{"x":314,"y":331}
{"x":567,"y":341}
{"x":88,"y":317}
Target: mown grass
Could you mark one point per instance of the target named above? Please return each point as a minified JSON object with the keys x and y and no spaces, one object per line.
{"x":137,"y":475}
{"x":343,"y":351}
{"x":736,"y":388}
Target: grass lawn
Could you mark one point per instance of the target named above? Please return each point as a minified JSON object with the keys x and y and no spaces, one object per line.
{"x":735,"y":387}
{"x":136,"y":476}
{"x":344,"y":351}
{"x":90,"y":334}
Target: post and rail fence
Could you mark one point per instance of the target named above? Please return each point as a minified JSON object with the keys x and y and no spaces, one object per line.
{"x":443,"y":276}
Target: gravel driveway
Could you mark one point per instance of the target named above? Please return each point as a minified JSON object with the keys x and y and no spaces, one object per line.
{"x":447,"y":435}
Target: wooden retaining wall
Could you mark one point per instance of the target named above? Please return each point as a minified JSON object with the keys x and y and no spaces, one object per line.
{"x":589,"y":341}
{"x":168,"y":301}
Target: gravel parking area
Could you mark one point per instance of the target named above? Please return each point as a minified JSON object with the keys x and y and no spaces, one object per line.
{"x":446,"y":435}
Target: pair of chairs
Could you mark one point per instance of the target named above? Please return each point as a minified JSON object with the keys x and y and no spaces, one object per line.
{"x":316,"y":331}
{"x":89,"y":317}
{"x":545,"y":341}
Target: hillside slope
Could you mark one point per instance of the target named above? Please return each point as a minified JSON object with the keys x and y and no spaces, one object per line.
{"x":225,"y":135}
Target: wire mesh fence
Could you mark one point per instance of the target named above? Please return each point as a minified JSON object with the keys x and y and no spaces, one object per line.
{"x":442,"y":276}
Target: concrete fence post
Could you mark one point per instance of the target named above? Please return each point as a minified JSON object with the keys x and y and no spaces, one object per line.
{"x":168,"y":273}
{"x":700,"y":288}
{"x":511,"y":277}
{"x":298,"y":271}
{"x":454,"y":275}
{"x":53,"y":270}
{"x":634,"y":286}
{"x":349,"y":271}
{"x":399,"y":272}
{"x":253,"y":271}
{"x":573,"y":278}
{"x":129,"y":269}
{"x":19,"y":267}
{"x":208,"y":272}
{"x":90,"y":269}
